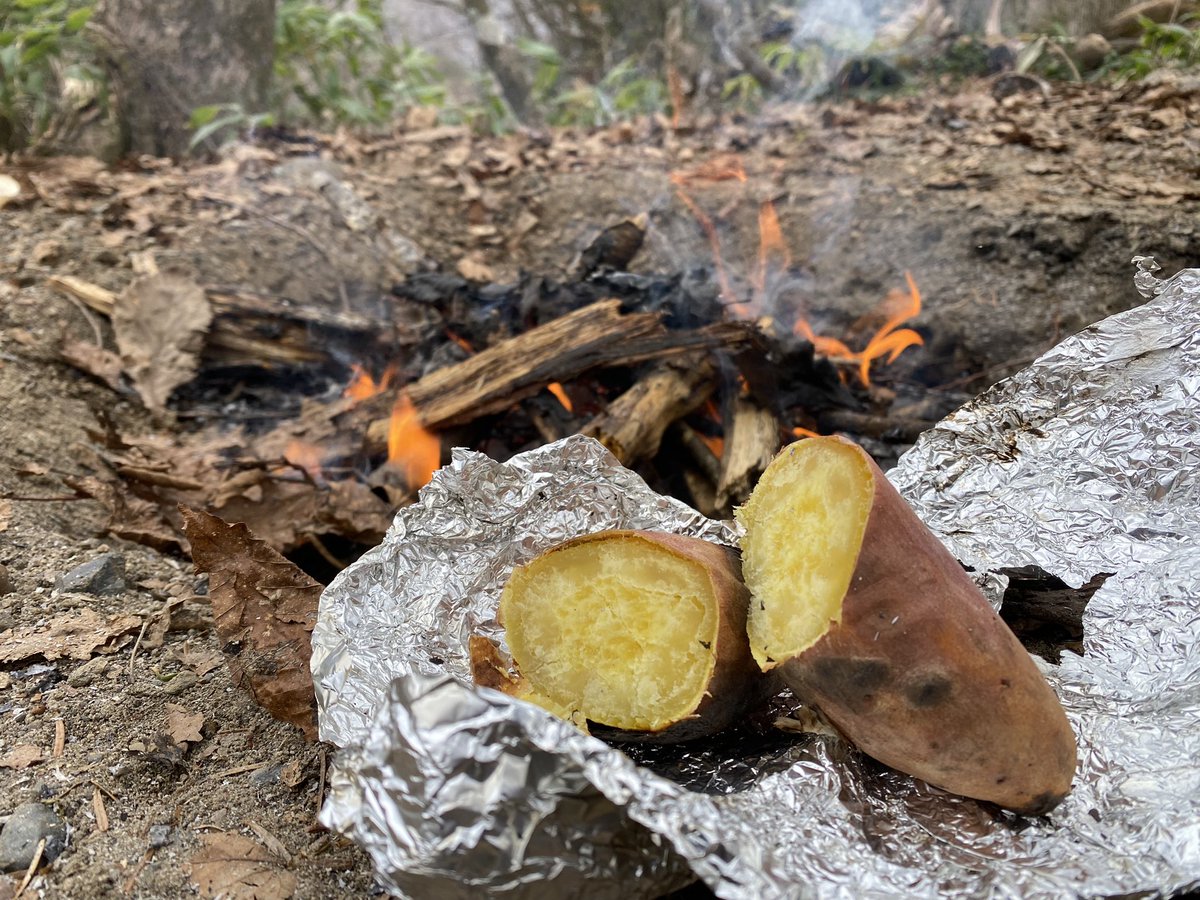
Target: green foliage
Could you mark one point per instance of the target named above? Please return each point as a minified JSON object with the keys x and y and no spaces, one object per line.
{"x":801,"y":67}
{"x":207,"y":121}
{"x":624,"y":91}
{"x":338,"y":66}
{"x":1047,"y":56}
{"x":1169,"y":45}
{"x":47,"y":68}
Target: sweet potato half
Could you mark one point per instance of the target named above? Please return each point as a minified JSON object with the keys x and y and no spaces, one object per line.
{"x":865,"y":614}
{"x":635,"y":630}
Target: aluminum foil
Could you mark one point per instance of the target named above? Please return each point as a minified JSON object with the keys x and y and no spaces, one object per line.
{"x":1083,"y":463}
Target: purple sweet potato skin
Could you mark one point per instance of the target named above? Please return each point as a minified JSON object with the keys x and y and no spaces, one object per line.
{"x":924,"y":676}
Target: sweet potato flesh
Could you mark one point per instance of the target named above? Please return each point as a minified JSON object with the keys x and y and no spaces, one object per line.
{"x":804,"y":526}
{"x":618,"y":631}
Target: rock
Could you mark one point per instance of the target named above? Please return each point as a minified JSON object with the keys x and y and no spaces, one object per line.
{"x":28,"y":824}
{"x":160,"y":836}
{"x":5,"y":584}
{"x":180,"y":683}
{"x":88,"y":672}
{"x":103,"y":575}
{"x":1090,"y":51}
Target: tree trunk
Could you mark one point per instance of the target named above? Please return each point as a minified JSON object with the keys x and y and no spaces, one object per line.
{"x":168,"y":57}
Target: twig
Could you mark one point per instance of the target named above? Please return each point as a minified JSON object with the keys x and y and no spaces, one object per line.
{"x":60,"y":738}
{"x":99,"y":810}
{"x":33,"y":867}
{"x":321,"y":784}
{"x":326,"y":554}
{"x":136,"y":644}
{"x":131,"y":881}
{"x":87,"y":314}
{"x":289,"y":226}
{"x":239,"y":770}
{"x":26,"y":499}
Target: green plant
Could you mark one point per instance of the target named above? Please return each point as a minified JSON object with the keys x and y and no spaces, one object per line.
{"x":47,"y":66}
{"x":207,"y":121}
{"x":338,"y":66}
{"x":624,"y":90}
{"x":1166,"y":45}
{"x":1046,"y":54}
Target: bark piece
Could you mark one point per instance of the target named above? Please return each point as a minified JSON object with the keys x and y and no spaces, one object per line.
{"x":752,"y":443}
{"x":265,"y":608}
{"x":160,"y":322}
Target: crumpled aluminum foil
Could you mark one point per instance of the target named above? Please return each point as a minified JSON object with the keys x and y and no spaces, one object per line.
{"x":1084,"y":463}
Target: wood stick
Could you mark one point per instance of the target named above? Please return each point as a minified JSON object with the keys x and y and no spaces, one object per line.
{"x":751,"y":443}
{"x":632,"y":427}
{"x":591,"y":337}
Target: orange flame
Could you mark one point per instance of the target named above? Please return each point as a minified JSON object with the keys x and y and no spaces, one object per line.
{"x":460,"y":340}
{"x":721,"y":168}
{"x":714,"y":442}
{"x":363,"y":386}
{"x":410,"y":447}
{"x":306,"y":456}
{"x":804,"y":432}
{"x":772,"y":249}
{"x":889,"y":340}
{"x":561,"y":395}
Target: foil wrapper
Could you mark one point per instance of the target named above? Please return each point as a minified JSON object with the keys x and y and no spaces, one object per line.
{"x":1084,"y":463}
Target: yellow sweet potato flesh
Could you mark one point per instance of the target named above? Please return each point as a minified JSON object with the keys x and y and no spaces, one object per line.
{"x":622,"y":631}
{"x":804,"y":525}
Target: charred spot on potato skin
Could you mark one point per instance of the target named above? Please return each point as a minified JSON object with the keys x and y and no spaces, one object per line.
{"x":1042,"y":804}
{"x":851,"y":680}
{"x":929,"y":691}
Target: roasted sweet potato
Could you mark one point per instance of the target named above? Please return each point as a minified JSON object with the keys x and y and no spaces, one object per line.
{"x":865,"y":614}
{"x":635,"y":630}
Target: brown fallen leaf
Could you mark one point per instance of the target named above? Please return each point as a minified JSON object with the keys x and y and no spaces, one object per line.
{"x":160,"y":322}
{"x":101,"y":364}
{"x":238,"y":868}
{"x":184,"y":726}
{"x":21,"y":756}
{"x":5,"y":514}
{"x":80,"y":634}
{"x":201,"y":661}
{"x":264,"y":608}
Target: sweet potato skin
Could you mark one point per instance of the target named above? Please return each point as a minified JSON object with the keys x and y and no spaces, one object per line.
{"x":921,"y":674}
{"x":736,"y":683}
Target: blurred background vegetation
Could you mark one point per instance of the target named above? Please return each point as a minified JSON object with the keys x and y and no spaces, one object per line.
{"x":118,"y":76}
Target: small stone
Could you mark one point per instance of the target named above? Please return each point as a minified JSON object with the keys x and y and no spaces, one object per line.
{"x":1090,"y":51}
{"x":160,"y":836}
{"x":103,"y":575}
{"x":29,"y":824}
{"x":88,"y":672}
{"x":180,"y":683}
{"x":5,"y":584}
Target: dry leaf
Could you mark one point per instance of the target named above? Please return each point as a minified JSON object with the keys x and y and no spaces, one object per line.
{"x":21,"y":756}
{"x":200,"y":661}
{"x":10,"y":189}
{"x":184,"y":726}
{"x":265,"y":608}
{"x":95,"y":361}
{"x":237,"y":868}
{"x":160,"y":322}
{"x":80,"y":634}
{"x":5,"y":514}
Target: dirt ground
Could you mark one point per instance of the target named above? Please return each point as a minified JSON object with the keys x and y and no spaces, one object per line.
{"x":1017,"y":213}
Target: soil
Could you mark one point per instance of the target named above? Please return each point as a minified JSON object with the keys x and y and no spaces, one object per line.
{"x":1016,"y":216}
